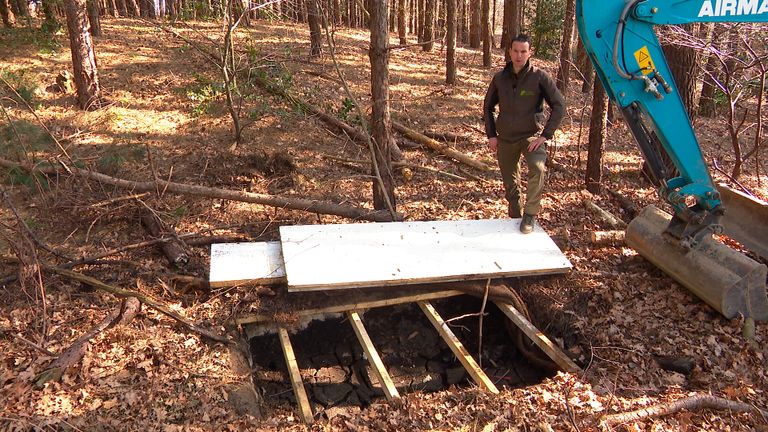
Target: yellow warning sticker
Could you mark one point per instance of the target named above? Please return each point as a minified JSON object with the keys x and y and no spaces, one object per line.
{"x":644,"y":60}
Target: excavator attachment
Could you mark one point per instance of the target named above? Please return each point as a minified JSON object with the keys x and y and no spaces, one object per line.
{"x":745,"y":220}
{"x":727,"y":280}
{"x":621,"y":42}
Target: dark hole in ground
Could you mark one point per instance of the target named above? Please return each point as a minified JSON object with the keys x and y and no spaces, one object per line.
{"x":337,"y":374}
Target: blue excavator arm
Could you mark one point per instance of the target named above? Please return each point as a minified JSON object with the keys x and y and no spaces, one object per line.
{"x":619,"y":38}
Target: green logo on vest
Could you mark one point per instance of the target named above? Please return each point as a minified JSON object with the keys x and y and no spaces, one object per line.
{"x":525,"y":92}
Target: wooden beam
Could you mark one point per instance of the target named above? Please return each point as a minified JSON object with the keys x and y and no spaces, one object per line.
{"x":262,"y":318}
{"x":539,"y":338}
{"x":305,"y":410}
{"x":387,"y":386}
{"x":457,"y":347}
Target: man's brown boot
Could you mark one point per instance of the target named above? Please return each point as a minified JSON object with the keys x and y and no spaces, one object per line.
{"x":526,"y":226}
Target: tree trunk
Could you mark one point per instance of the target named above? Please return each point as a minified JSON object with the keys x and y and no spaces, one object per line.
{"x":461,"y":28}
{"x":493,"y":24}
{"x":486,"y":31}
{"x":429,"y":25}
{"x":135,"y":10}
{"x":173,"y":10}
{"x":350,"y":13}
{"x":511,"y":25}
{"x":683,"y":62}
{"x":566,"y":47}
{"x":337,"y":12}
{"x":113,"y":10}
{"x":83,"y":58}
{"x":585,"y":68}
{"x":474,"y":24}
{"x":22,"y":10}
{"x":538,"y":35}
{"x":384,"y":192}
{"x":122,"y":8}
{"x":413,"y":18}
{"x":93,"y":17}
{"x":401,"y":20}
{"x":450,"y":53}
{"x":597,"y":122}
{"x":393,"y":16}
{"x":707,"y":105}
{"x":315,"y":32}
{"x":9,"y":19}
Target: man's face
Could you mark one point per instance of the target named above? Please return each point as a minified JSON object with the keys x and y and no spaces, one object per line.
{"x":520,"y":52}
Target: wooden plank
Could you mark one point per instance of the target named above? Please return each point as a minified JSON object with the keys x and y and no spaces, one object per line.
{"x":239,"y":263}
{"x":387,"y":386}
{"x":319,"y":257}
{"x":457,"y":347}
{"x":540,"y":339}
{"x":339,"y":308}
{"x":305,"y":410}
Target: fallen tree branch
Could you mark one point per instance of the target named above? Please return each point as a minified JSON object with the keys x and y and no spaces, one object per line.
{"x":173,"y":249}
{"x":398,"y":164}
{"x":303,"y":204}
{"x":352,"y":132}
{"x":128,"y":309}
{"x":446,"y":136}
{"x":120,"y":199}
{"x":692,"y":403}
{"x":27,"y":230}
{"x":606,"y":216}
{"x":439,"y":147}
{"x":119,"y":292}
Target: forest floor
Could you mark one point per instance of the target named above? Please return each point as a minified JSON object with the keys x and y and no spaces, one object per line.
{"x":615,"y":313}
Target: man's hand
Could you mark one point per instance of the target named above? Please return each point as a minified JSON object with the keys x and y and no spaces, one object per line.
{"x":493,"y":144}
{"x":535,"y":144}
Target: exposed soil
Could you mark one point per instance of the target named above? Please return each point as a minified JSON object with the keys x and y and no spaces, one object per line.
{"x":615,"y":313}
{"x":340,"y":380}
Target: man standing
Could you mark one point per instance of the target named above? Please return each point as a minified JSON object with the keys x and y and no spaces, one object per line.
{"x":520,"y":90}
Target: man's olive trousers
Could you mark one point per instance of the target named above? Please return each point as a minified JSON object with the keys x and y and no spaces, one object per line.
{"x":508,"y":155}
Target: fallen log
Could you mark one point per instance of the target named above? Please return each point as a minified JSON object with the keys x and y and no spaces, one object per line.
{"x":174,"y":249}
{"x":154,"y":304}
{"x":697,"y":402}
{"x":303,"y":204}
{"x":607,"y":238}
{"x":605,"y":215}
{"x":626,"y":204}
{"x":439,"y":147}
{"x":128,"y":309}
{"x":446,"y":136}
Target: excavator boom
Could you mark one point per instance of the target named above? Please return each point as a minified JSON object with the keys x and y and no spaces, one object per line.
{"x":628,"y":59}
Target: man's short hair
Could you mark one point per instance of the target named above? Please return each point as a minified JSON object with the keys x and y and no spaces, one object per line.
{"x":522,"y":37}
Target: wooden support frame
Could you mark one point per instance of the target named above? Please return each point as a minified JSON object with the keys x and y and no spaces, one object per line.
{"x":539,"y":338}
{"x":341,"y":308}
{"x":305,"y":410}
{"x":387,"y":386}
{"x":458,"y":348}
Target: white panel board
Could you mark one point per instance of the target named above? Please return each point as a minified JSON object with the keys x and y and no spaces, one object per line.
{"x":394,"y":253}
{"x":237,"y":263}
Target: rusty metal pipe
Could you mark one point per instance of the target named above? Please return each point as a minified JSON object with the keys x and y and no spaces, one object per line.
{"x":727,"y":280}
